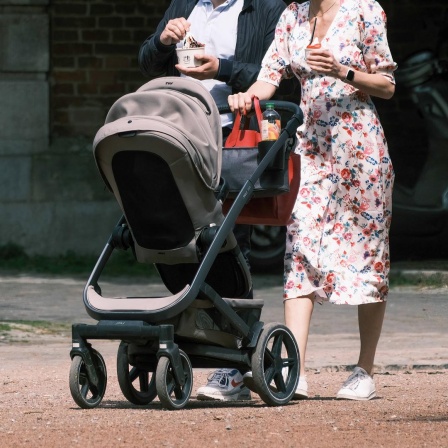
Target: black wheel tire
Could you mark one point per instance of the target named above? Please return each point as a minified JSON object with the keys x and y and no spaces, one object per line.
{"x":171,"y":395}
{"x":137,"y":384}
{"x":275,"y":355}
{"x":267,"y":248}
{"x":85,"y":394}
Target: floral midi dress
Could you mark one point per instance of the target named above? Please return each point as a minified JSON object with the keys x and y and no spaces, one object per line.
{"x":337,"y":246}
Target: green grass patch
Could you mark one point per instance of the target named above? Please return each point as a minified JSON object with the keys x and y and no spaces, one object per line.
{"x":24,"y":331}
{"x":14,"y":259}
{"x":418,"y":279}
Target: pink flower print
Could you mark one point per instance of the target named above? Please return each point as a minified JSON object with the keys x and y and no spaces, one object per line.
{"x":364,"y":205}
{"x":366,"y":232}
{"x":378,"y":266}
{"x":306,"y":242}
{"x":338,"y":227}
{"x":368,"y":150}
{"x":348,"y":236}
{"x":317,"y":114}
{"x":356,"y":183}
{"x":373,"y":178}
{"x":369,"y":41}
{"x":304,"y":192}
{"x":358,"y":126}
{"x":347,"y":117}
{"x":325,"y":84}
{"x":345,"y":173}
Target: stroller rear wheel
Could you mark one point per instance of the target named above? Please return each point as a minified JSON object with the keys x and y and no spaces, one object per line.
{"x":137,"y":384}
{"x":275,"y":365}
{"x":173,"y":396}
{"x":86,"y":394}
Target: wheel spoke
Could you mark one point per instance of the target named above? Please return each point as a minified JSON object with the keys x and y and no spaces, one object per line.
{"x":144,"y":381}
{"x":269,"y":374}
{"x":134,"y":374}
{"x":170,"y":384}
{"x":277,"y":346}
{"x":84,"y":389}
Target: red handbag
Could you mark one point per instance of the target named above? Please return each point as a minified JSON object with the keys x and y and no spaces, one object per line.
{"x":273,"y":210}
{"x":241,"y":136}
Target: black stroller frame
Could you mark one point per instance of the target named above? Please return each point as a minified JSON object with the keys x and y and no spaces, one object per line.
{"x":153,"y":360}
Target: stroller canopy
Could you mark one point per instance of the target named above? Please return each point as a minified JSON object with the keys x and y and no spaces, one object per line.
{"x":181,"y":103}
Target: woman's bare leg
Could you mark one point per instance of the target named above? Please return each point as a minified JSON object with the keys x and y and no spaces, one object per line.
{"x":370,"y":321}
{"x":298,"y":314}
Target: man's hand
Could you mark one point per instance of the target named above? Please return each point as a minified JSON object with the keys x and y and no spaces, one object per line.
{"x":208,"y":69}
{"x":174,"y":31}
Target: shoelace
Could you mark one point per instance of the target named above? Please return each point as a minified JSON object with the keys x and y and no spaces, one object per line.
{"x":354,"y":379}
{"x":219,"y":378}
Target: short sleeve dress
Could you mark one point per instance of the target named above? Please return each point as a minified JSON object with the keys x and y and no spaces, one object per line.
{"x":337,"y":245}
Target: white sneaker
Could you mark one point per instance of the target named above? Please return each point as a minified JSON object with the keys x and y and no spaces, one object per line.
{"x":224,"y":385}
{"x":301,"y":389}
{"x":359,"y":386}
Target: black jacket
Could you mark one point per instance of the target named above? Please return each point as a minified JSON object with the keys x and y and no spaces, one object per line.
{"x":256,"y":27}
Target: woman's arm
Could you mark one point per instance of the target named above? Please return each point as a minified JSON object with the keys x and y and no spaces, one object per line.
{"x":323,"y":61}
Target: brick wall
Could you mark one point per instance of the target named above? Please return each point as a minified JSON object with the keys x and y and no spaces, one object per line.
{"x":94,"y":46}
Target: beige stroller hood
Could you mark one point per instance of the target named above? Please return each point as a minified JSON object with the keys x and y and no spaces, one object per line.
{"x":182,"y":102}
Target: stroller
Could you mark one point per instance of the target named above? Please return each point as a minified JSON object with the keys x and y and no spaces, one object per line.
{"x":159,"y":152}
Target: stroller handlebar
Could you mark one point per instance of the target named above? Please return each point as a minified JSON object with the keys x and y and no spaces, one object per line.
{"x":282,"y":106}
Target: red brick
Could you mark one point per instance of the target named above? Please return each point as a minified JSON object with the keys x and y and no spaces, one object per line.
{"x":96,"y":35}
{"x":69,"y":9}
{"x":90,"y":62}
{"x":119,"y":62}
{"x":110,"y":22}
{"x":69,"y":76}
{"x":121,"y":36}
{"x":87,"y":89}
{"x":75,"y":49}
{"x":63,"y":89}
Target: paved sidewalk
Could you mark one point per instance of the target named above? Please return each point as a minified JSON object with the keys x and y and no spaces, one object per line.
{"x":414,"y":332}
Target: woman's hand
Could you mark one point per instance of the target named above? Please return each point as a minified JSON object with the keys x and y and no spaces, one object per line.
{"x":241,"y":102}
{"x":174,"y":31}
{"x":323,"y":61}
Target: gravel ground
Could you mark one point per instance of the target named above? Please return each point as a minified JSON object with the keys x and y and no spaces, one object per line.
{"x":411,"y":410}
{"x":37,"y":410}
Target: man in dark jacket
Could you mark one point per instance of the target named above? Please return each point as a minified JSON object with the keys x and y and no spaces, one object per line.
{"x":236,"y":34}
{"x":255,"y":32}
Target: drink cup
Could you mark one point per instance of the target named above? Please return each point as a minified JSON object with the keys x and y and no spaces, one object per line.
{"x":309,"y":49}
{"x":185,"y":56}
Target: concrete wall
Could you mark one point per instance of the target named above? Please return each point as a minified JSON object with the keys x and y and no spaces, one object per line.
{"x":62,"y":65}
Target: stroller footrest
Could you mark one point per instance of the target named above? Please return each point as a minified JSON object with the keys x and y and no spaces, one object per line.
{"x":137,"y":304}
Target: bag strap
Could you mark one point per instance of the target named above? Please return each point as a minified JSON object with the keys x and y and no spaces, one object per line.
{"x":241,"y":123}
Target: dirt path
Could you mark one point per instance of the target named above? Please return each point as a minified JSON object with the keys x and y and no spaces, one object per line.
{"x":37,"y":410}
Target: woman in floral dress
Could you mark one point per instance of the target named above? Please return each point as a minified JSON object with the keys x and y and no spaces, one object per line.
{"x":337,"y":246}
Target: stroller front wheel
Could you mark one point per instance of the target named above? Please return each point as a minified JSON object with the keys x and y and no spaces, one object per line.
{"x":137,"y":384}
{"x":86,"y":394}
{"x":172,"y":395}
